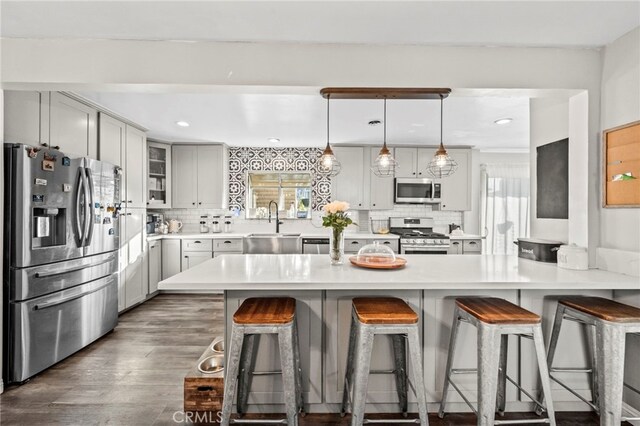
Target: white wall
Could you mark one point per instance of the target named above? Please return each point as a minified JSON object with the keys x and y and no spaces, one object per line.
{"x":1,"y":227}
{"x":472,"y":223}
{"x":549,"y":122}
{"x":620,"y":227}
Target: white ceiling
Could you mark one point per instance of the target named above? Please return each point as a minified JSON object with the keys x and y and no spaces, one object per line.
{"x":510,"y":23}
{"x":241,"y":119}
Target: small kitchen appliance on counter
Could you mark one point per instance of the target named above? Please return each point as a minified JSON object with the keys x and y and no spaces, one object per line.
{"x":417,"y":236}
{"x":154,"y":220}
{"x":538,"y":250}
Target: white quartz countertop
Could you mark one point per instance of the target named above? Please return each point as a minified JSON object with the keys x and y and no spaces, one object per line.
{"x":314,"y":272}
{"x":211,"y":235}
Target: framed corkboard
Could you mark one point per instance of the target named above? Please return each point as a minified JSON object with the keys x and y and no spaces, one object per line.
{"x":621,"y":166}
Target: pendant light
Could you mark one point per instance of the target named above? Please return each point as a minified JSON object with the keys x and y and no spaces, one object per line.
{"x":441,"y":165}
{"x":328,"y":164}
{"x":384,"y":164}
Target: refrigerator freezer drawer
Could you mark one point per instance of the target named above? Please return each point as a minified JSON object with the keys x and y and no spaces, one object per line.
{"x":48,"y":329}
{"x":37,"y":281}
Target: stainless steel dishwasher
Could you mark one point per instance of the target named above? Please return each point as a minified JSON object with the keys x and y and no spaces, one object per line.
{"x":315,"y":245}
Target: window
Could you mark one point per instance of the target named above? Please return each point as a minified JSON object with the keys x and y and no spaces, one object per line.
{"x":290,"y":190}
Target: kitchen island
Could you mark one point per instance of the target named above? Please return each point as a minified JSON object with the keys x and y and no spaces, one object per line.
{"x":429,"y":284}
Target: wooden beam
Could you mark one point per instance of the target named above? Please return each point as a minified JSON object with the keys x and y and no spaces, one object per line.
{"x":384,"y":92}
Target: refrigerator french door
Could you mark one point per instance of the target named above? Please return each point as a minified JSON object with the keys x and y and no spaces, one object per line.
{"x":60,"y":256}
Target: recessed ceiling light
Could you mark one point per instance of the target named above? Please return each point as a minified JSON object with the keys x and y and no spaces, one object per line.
{"x":503,"y":121}
{"x":273,"y":140}
{"x":182,"y":123}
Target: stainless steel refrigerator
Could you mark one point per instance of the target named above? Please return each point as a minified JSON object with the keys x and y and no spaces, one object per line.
{"x":60,"y":256}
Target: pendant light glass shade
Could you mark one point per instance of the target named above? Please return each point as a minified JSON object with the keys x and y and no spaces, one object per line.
{"x":328,"y":164}
{"x":384,"y":165}
{"x":441,"y":165}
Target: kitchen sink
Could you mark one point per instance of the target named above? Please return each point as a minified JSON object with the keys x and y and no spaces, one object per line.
{"x":265,"y":243}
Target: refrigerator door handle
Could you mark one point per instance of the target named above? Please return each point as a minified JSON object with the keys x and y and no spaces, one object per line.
{"x":78,"y":205}
{"x":45,"y":305}
{"x":66,"y":271}
{"x":91,"y":210}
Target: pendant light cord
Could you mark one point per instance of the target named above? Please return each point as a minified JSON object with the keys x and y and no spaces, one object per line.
{"x":441,"y":119}
{"x":384,"y":120}
{"x":328,"y":97}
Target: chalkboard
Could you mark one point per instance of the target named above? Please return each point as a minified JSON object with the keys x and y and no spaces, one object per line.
{"x":552,"y":166}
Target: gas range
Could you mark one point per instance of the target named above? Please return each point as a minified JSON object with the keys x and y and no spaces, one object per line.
{"x":417,"y":236}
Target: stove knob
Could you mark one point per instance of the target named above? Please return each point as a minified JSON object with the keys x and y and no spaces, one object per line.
{"x":438,"y":241}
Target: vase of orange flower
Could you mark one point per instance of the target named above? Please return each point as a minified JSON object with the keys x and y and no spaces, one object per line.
{"x":336,"y":218}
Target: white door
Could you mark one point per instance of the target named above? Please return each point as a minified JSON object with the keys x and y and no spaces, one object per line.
{"x":348,"y":185}
{"x":425,"y":155}
{"x":191,"y":259}
{"x":184,"y":176}
{"x":456,"y":189}
{"x":155,"y":265}
{"x":111,"y":140}
{"x":407,"y":160}
{"x":210,"y":177}
{"x":135,"y":173}
{"x":73,"y":127}
{"x":380,"y":188}
{"x":171,"y":258}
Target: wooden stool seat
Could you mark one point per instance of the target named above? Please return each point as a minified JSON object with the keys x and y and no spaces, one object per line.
{"x":602,"y":308}
{"x":383,"y":310}
{"x":266,"y":310}
{"x":492,"y":310}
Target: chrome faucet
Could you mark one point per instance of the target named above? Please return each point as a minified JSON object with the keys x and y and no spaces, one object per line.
{"x":278,"y":223}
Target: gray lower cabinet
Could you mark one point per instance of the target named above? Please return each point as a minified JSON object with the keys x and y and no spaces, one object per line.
{"x":267,"y":389}
{"x":155,"y":265}
{"x":171,"y":258}
{"x":438,"y":307}
{"x":465,"y":246}
{"x":571,"y":351}
{"x":382,"y":387}
{"x":353,"y":245}
{"x":193,"y":258}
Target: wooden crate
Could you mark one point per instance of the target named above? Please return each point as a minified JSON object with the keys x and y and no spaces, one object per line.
{"x":202,"y":391}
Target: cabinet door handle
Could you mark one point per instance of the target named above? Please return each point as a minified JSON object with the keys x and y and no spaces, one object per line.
{"x":354,"y":242}
{"x":472,"y":242}
{"x":420,"y":173}
{"x":413,"y":173}
{"x":374,"y":205}
{"x":193,"y":204}
{"x":455,"y":243}
{"x":227,"y":242}
{"x":197,"y":242}
{"x":200,"y":202}
{"x":130,"y":201}
{"x":387,"y":242}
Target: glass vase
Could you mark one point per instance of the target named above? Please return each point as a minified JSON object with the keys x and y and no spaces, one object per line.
{"x":336,"y":247}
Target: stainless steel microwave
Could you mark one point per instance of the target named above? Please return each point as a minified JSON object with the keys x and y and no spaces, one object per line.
{"x":417,"y":191}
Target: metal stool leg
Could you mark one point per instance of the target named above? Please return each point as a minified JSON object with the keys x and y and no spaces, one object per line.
{"x":364,"y":341}
{"x":610,"y":347}
{"x":298,"y":368}
{"x":348,"y":376}
{"x":418,"y":376}
{"x":452,"y":347}
{"x":544,"y":372}
{"x":249,"y":348}
{"x":553,"y":343}
{"x":400,"y":361}
{"x":502,"y":374}
{"x":285,"y":343}
{"x":231,"y":372}
{"x":488,"y":362}
{"x":591,"y":342}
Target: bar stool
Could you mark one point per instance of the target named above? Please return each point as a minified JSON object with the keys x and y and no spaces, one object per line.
{"x":495,"y":319}
{"x":610,"y":322}
{"x":256,"y":316}
{"x":383,"y":315}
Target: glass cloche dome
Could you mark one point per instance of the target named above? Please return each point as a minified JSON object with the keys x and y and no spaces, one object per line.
{"x":376,"y":253}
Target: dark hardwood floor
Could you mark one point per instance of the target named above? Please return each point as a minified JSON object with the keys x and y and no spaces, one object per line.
{"x":134,"y":375}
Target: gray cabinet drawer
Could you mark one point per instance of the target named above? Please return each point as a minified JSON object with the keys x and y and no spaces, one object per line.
{"x":227,"y":244}
{"x":352,"y":245}
{"x":455,"y":247}
{"x":472,"y":246}
{"x":197,"y":244}
{"x":392,"y":244}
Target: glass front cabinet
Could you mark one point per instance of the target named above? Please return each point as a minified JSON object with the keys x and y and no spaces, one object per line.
{"x":159,"y":184}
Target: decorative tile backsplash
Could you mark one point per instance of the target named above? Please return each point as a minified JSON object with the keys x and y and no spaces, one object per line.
{"x":243,"y":160}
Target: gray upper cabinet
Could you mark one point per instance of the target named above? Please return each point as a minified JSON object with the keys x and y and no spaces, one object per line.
{"x":135,"y":167}
{"x":198,"y":176}
{"x":159,"y":173}
{"x":456,"y":189}
{"x":26,"y":117}
{"x":112,"y":139}
{"x":72,"y":126}
{"x":357,"y":184}
{"x":412,"y":162}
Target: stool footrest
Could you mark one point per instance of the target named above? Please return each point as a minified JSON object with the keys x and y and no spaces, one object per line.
{"x":265,"y":373}
{"x":570,"y":370}
{"x":629,"y":419}
{"x":387,"y":421}
{"x":576,"y":394}
{"x":259,"y":421}
{"x":382,"y":371}
{"x":464,"y":370}
{"x":520,"y":422}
